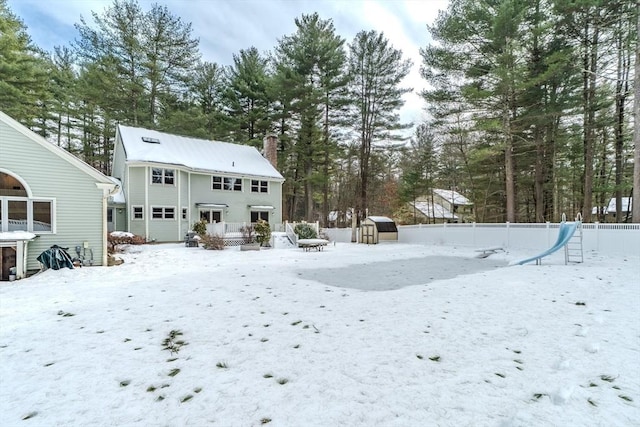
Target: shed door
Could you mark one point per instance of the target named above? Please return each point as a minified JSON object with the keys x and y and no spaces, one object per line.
{"x":369,"y":234}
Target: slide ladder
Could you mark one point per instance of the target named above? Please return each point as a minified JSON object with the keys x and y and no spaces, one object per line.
{"x":573,"y":248}
{"x":569,"y":239}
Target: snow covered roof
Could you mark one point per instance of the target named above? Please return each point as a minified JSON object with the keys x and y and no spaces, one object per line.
{"x":452,"y":196}
{"x":380,"y":219}
{"x":434,"y":210}
{"x":144,"y":145}
{"x":626,"y":205}
{"x":16,"y":235}
{"x":118,"y":197}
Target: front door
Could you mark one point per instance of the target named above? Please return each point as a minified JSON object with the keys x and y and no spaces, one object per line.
{"x":110,"y":222}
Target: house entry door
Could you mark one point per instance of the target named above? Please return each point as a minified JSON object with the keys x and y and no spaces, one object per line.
{"x":7,"y":261}
{"x":110,"y":223}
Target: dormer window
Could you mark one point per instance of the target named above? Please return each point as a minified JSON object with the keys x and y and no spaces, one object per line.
{"x":150,"y":140}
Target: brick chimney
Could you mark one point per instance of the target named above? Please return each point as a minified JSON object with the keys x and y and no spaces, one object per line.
{"x":270,"y":149}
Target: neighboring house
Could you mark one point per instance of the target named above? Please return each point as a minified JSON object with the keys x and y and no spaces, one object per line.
{"x":171,"y":182}
{"x":442,"y":206}
{"x":455,"y":203}
{"x":625,"y":210}
{"x":51,"y":195}
{"x":431,"y":213}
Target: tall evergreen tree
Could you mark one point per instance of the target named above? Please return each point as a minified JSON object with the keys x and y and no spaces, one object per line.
{"x":248,"y":98}
{"x":23,"y":70}
{"x":376,"y":71}
{"x":170,"y":51}
{"x":307,"y":64}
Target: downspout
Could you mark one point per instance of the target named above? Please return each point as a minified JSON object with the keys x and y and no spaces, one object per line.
{"x":108,"y":190}
{"x":179,"y":204}
{"x":147,"y":209}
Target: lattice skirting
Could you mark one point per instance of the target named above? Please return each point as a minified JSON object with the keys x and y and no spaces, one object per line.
{"x":234,"y":241}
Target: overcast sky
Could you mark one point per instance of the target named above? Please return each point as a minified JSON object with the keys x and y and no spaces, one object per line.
{"x":226,"y":26}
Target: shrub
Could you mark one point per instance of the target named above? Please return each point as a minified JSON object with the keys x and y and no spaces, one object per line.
{"x":118,"y":238}
{"x":263,"y":232}
{"x":212,"y":241}
{"x":247,"y":233}
{"x":200,"y":228}
{"x":305,"y":231}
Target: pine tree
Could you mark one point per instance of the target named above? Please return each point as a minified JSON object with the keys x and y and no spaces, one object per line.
{"x":247,"y":97}
{"x":23,"y":70}
{"x":307,"y":74}
{"x":376,"y":71}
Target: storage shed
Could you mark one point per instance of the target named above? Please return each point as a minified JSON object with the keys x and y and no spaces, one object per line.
{"x":378,"y":228}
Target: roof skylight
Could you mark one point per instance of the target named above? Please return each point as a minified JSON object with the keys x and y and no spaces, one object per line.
{"x":150,"y":140}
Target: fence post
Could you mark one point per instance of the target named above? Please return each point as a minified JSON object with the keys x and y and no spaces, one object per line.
{"x":548,"y":234}
{"x":473,"y":227}
{"x":507,"y":231}
{"x":597,"y":229}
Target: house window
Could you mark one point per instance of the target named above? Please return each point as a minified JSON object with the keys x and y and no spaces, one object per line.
{"x":163,"y":212}
{"x":226,"y":183}
{"x":162,"y":176}
{"x":24,"y":214}
{"x":259,"y":186}
{"x":256,"y":215}
{"x":137,"y":212}
{"x":210,"y":216}
{"x":185,"y":215}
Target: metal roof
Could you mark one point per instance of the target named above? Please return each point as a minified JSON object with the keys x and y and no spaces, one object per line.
{"x":195,"y":154}
{"x":452,"y":196}
{"x":434,"y":210}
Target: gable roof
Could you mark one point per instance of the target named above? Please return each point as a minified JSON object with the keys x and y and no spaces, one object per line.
{"x":60,"y":152}
{"x":434,"y":210}
{"x":626,"y":205}
{"x":193,"y":153}
{"x":452,"y":196}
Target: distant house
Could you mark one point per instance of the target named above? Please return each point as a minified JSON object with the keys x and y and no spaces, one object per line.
{"x":47,"y":197}
{"x":455,"y":203}
{"x":442,"y":206}
{"x":625,"y":209}
{"x":170,"y":182}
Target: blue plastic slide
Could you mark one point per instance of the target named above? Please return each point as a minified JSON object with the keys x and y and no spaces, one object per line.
{"x":567,"y":229}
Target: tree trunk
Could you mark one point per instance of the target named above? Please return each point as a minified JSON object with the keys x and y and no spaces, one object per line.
{"x":636,"y":128}
{"x":589,"y":94}
{"x":510,"y":188}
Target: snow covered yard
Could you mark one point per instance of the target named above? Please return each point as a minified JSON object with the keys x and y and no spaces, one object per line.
{"x":187,"y":337}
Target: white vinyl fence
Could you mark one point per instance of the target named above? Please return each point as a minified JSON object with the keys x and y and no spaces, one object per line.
{"x":610,"y":239}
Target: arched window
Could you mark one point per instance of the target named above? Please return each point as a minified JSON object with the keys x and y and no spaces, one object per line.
{"x":11,"y":186}
{"x":19,"y":212}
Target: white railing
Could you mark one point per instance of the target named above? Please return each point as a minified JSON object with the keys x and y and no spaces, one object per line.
{"x":289,"y":228}
{"x":234,"y":228}
{"x":293,"y":237}
{"x":614,"y":239}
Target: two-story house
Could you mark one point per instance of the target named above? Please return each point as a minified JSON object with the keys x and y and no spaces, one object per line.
{"x":442,"y":206}
{"x":170,"y":182}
